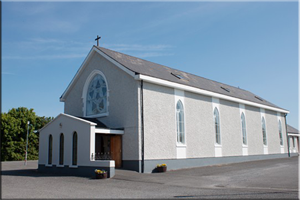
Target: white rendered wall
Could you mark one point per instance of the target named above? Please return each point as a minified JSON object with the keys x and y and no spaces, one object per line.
{"x":200,"y":134}
{"x":254,"y":131}
{"x":68,"y":127}
{"x":199,"y":126}
{"x":159,"y":122}
{"x":230,"y":128}
{"x":273,"y":132}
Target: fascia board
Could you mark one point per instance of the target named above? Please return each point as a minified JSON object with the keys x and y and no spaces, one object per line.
{"x":204,"y":92}
{"x":293,"y":134}
{"x":108,"y":131}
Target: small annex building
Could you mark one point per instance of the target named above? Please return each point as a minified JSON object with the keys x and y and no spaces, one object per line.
{"x":293,"y":135}
{"x":125,"y":112}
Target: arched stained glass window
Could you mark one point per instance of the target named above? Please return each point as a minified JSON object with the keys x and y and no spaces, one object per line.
{"x":244,"y":133}
{"x":217,"y":126}
{"x":280,"y":132}
{"x":180,"y":122}
{"x":61,"y":149}
{"x":50,"y":150}
{"x":264,"y":131}
{"x":74,"y":152}
{"x":96,"y":100}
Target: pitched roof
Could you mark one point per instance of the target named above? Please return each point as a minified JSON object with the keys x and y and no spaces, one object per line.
{"x":144,"y":67}
{"x":291,"y":129}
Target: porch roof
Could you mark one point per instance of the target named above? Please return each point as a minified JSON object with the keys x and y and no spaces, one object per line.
{"x":102,"y":128}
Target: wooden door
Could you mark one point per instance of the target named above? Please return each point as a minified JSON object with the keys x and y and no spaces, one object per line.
{"x":116,"y":150}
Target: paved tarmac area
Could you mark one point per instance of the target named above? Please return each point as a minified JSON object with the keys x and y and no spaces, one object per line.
{"x":267,"y":179}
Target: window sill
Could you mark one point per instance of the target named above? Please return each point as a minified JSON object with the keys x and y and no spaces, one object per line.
{"x":60,"y":166}
{"x":218,"y":145}
{"x":181,"y":145}
{"x":73,"y":166}
{"x":245,"y":146}
{"x":48,"y":165}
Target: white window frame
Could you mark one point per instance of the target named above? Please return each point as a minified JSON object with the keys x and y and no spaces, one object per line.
{"x":243,"y":112}
{"x":264,"y":131}
{"x":179,"y":124}
{"x":85,"y":90}
{"x":263,"y":115}
{"x":218,"y":147}
{"x":180,"y":147}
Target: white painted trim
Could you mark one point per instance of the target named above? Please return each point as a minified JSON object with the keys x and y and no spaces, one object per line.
{"x":60,"y":166}
{"x":242,"y":111}
{"x":70,"y":116}
{"x":73,"y":166}
{"x":216,"y":104}
{"x":92,"y":142}
{"x":204,"y":92}
{"x":263,"y":115}
{"x":80,"y":70}
{"x":85,"y":90}
{"x":181,"y":152}
{"x":47,"y":165}
{"x":109,"y":131}
{"x":293,"y":134}
{"x":179,"y":95}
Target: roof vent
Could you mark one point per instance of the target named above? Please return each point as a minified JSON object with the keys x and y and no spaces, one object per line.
{"x":226,"y":89}
{"x":259,"y":98}
{"x":177,"y":75}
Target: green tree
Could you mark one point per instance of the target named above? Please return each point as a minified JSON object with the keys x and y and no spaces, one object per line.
{"x":14,"y":130}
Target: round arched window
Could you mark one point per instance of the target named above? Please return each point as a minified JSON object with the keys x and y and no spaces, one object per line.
{"x":96,"y":100}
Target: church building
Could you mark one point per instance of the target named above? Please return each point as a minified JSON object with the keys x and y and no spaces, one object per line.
{"x":124,"y":112}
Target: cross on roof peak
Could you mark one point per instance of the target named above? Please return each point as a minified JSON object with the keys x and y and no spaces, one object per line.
{"x":98,"y":38}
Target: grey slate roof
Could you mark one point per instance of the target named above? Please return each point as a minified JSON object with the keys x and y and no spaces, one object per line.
{"x":144,"y":67}
{"x":291,"y":129}
{"x":99,"y":123}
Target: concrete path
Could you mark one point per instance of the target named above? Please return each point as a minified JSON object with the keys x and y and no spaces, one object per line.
{"x":276,"y":178}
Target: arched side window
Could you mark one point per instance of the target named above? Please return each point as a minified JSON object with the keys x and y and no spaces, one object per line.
{"x":244,"y":133}
{"x":217,"y":126}
{"x":50,"y":144}
{"x":61,"y":149}
{"x":264,"y":131}
{"x":96,"y":97}
{"x":74,"y":152}
{"x":293,"y":138}
{"x":180,"y":122}
{"x":280,"y":133}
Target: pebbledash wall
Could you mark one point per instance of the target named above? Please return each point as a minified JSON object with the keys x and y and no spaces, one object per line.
{"x":160,"y":132}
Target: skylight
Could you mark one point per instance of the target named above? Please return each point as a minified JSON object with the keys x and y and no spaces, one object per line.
{"x":226,"y":89}
{"x":259,"y":98}
{"x":177,"y":75}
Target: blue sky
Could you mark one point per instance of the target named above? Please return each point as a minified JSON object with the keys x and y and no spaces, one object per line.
{"x":251,"y":45}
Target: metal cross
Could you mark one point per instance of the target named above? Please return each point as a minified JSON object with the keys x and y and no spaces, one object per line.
{"x":98,"y":38}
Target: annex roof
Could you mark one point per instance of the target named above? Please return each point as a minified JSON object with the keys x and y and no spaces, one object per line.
{"x":292,"y":130}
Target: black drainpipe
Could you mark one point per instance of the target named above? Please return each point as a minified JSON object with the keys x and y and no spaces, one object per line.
{"x":288,"y":139}
{"x":142,"y":126}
